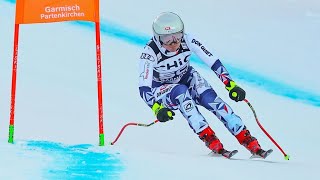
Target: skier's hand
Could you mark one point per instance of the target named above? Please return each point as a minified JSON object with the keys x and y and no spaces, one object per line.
{"x":236,"y":93}
{"x":163,"y":114}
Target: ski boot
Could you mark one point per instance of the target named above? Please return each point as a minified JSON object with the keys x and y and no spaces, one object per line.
{"x":252,"y":144}
{"x":213,"y":143}
{"x":211,"y":140}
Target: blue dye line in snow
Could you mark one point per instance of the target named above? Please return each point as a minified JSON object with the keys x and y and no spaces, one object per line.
{"x":76,"y":162}
{"x":11,"y":1}
{"x":276,"y":87}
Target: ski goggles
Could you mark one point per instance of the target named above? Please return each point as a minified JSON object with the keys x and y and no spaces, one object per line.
{"x":171,"y":38}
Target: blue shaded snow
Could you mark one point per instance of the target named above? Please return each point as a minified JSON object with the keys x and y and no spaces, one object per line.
{"x":74,"y":162}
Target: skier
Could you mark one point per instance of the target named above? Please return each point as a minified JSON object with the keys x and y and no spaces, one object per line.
{"x":168,"y":82}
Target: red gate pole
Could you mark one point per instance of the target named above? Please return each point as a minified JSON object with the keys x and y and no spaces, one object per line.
{"x":99,"y":75}
{"x":14,"y":82}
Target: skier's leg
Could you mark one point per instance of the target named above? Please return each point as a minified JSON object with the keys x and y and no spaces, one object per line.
{"x":207,"y":97}
{"x":234,"y":124}
{"x":222,"y":110}
{"x":176,"y":96}
{"x":204,"y":95}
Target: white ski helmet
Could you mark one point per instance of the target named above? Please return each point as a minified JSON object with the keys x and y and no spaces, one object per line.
{"x":167,"y":23}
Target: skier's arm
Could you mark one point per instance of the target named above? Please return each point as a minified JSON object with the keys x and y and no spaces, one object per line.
{"x":209,"y":58}
{"x":147,"y":59}
{"x":235,"y":92}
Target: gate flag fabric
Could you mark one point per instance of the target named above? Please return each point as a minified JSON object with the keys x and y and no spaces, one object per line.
{"x":45,"y":11}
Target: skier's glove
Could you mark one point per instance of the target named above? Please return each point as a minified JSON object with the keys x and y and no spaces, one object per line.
{"x":236,"y":93}
{"x":163,"y":114}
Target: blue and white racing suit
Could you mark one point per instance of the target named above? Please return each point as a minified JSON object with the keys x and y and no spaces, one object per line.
{"x":168,"y":77}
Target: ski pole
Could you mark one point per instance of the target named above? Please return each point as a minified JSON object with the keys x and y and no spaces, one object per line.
{"x":286,"y":156}
{"x":133,"y":124}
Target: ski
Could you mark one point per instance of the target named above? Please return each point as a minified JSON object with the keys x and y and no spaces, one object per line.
{"x":262,"y":154}
{"x":225,"y":153}
{"x":229,"y":154}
